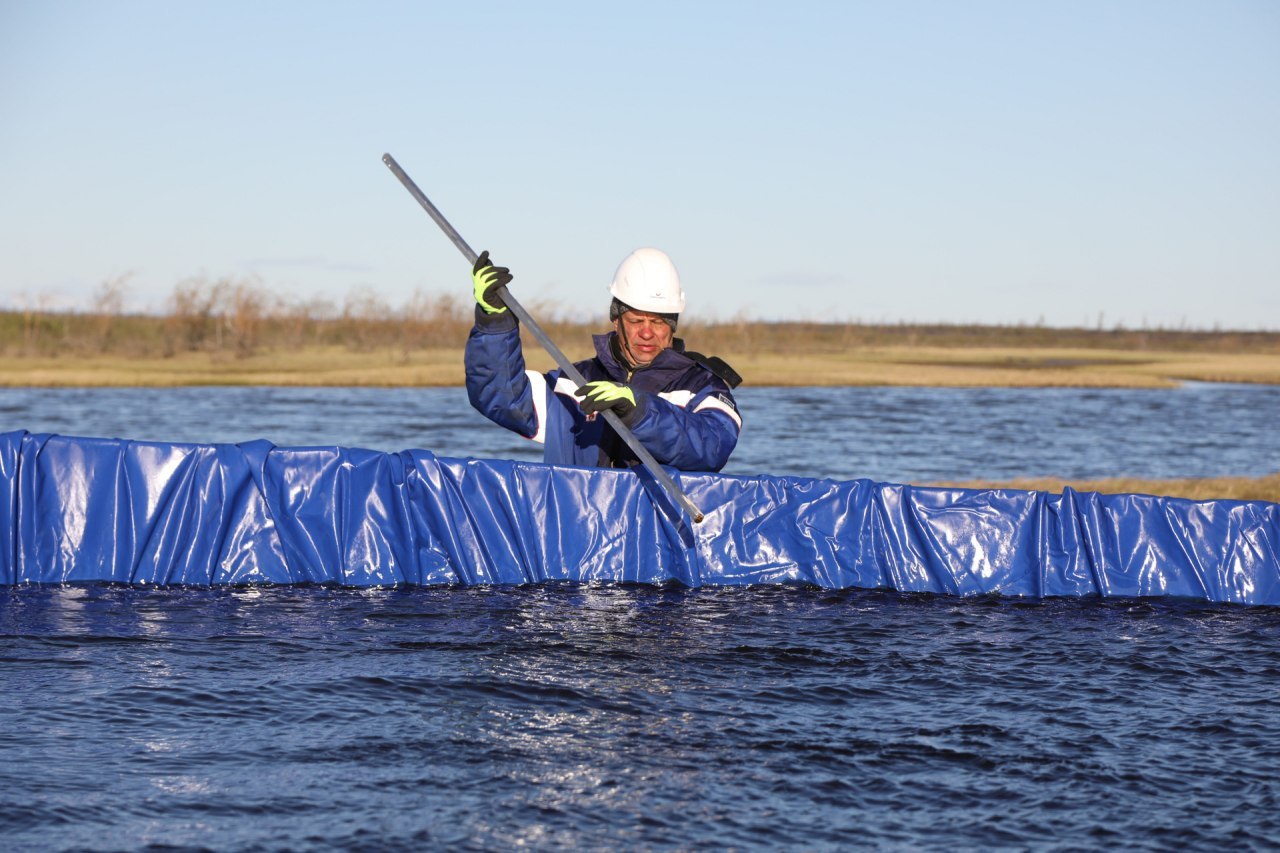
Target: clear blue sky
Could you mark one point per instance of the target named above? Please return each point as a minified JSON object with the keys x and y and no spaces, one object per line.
{"x":924,"y":161}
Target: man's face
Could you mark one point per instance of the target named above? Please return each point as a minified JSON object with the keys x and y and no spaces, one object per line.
{"x":643,"y":336}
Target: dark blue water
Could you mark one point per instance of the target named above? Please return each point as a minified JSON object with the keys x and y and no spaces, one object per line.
{"x":643,"y":718}
{"x":622,"y":718}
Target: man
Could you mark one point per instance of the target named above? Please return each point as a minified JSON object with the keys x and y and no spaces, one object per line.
{"x":678,"y":404}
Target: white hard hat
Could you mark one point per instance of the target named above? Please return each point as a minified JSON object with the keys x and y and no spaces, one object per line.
{"x":646,"y":280}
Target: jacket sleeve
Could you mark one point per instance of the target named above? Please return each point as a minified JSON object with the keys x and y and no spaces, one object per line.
{"x":697,"y":435}
{"x":496,"y":381}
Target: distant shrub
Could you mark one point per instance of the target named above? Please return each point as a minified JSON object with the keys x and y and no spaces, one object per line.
{"x":240,"y":316}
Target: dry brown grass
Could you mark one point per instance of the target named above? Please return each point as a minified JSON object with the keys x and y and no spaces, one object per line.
{"x":368,"y":363}
{"x":1265,"y":488}
{"x":317,"y":365}
{"x":1003,"y":367}
{"x":228,"y":331}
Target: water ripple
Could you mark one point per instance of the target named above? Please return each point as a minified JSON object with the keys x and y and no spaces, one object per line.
{"x":632,"y":717}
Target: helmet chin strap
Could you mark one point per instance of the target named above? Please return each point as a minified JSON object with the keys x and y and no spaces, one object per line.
{"x":624,"y":346}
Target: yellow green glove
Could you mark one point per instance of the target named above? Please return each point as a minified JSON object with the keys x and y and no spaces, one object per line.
{"x":486,"y":278}
{"x":603,"y":394}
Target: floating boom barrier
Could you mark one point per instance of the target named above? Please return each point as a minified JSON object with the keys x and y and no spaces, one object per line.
{"x":86,"y":510}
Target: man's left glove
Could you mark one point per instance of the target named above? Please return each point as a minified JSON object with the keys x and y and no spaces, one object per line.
{"x":603,"y":394}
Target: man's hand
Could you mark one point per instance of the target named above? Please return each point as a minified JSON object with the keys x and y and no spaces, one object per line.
{"x":487,"y":278}
{"x":603,"y":394}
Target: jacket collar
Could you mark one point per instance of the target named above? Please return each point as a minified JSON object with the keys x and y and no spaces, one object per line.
{"x":670,"y":360}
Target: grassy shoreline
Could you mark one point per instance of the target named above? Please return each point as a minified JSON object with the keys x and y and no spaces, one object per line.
{"x":1263,"y":488}
{"x":234,"y":333}
{"x":332,"y":365}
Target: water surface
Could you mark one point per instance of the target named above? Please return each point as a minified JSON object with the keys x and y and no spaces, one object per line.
{"x":912,"y":435}
{"x":618,"y":717}
{"x":632,"y":718}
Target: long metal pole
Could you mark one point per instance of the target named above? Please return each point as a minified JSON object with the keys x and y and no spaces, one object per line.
{"x":565,"y":365}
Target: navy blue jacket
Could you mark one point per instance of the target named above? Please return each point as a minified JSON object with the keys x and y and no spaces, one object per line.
{"x":685,"y":414}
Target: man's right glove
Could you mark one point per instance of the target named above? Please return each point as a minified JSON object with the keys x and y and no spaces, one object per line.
{"x":603,"y":394}
{"x":487,"y":278}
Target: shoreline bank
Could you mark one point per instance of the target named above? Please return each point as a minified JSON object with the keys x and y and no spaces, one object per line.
{"x":1262,"y":488}
{"x":898,"y":365}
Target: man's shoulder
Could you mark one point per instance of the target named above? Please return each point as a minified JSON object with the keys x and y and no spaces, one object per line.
{"x":716,"y":366}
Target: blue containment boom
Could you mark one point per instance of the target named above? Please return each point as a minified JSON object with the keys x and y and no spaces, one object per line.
{"x":108,"y":510}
